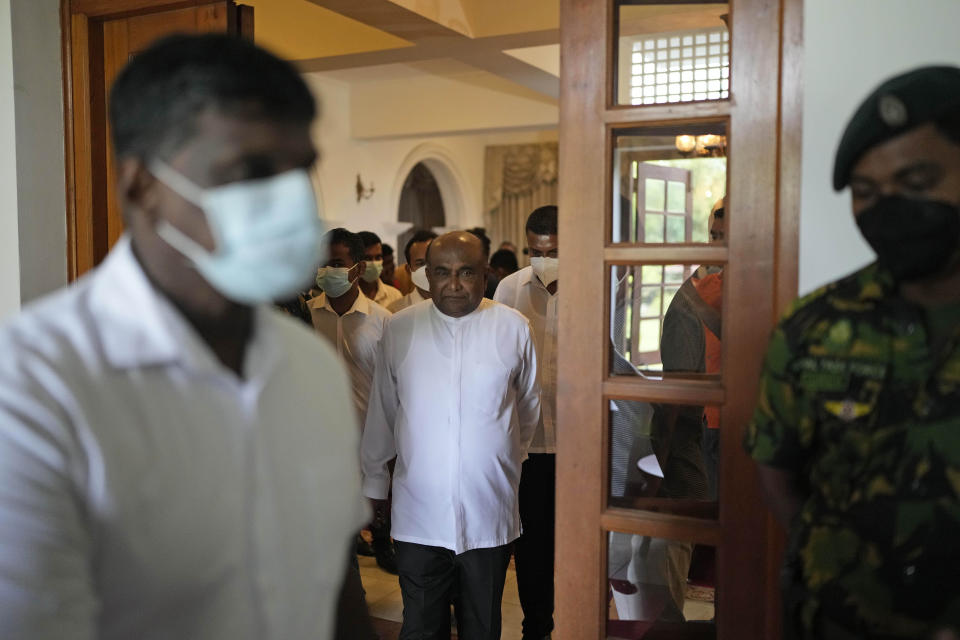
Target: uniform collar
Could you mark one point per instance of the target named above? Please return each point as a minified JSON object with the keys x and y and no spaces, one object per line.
{"x":875,"y":283}
{"x":138,"y":327}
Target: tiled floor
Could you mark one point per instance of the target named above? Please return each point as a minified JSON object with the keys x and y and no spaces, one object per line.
{"x":383,"y":598}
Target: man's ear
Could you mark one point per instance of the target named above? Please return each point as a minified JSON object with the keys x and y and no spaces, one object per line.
{"x":137,"y":188}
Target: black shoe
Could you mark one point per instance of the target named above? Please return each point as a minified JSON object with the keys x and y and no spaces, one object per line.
{"x":363,"y":547}
{"x":386,"y":556}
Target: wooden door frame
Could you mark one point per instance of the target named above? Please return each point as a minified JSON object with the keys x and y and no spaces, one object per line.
{"x":85,"y":156}
{"x":763,"y":171}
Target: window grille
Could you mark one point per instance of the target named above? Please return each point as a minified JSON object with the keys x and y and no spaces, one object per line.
{"x":681,"y":66}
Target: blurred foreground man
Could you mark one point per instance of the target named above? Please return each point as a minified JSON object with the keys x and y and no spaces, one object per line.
{"x":533,"y":292}
{"x":455,"y":399}
{"x":858,"y":427}
{"x":157,"y":477}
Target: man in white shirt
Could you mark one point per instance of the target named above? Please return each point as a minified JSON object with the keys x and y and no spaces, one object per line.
{"x":157,"y":479}
{"x":416,"y":254}
{"x":533,"y":292}
{"x":353,"y":324}
{"x":370,"y":283}
{"x":456,"y":400}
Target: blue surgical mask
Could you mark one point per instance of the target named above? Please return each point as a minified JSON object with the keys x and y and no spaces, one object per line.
{"x":335,"y":281}
{"x":266,"y":234}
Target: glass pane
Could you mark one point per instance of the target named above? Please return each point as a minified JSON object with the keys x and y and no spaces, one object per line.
{"x":659,"y":452}
{"x":676,"y":197}
{"x":676,"y":229}
{"x":650,"y":299}
{"x":667,"y":182}
{"x":655,"y":194}
{"x":659,"y":588}
{"x":662,"y":46}
{"x":652,"y":274}
{"x":667,"y":319}
{"x":653,"y":227}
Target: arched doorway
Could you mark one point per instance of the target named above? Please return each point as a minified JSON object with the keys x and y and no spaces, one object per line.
{"x":420,"y":203}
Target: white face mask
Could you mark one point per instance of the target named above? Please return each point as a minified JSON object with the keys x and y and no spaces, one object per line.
{"x":547,"y":269}
{"x":335,"y":281}
{"x":266,"y":234}
{"x":373,"y":271}
{"x":419,"y":278}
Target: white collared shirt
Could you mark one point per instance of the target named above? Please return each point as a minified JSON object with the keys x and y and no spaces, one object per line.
{"x":524,"y":292}
{"x":148,"y":492}
{"x":456,"y":401}
{"x":355,"y":335}
{"x":408,"y":300}
{"x":386,"y":295}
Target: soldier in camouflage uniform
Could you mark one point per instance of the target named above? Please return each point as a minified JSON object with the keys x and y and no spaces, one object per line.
{"x":857,"y":431}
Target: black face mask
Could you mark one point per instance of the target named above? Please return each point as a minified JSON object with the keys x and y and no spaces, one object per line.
{"x":912,"y":238}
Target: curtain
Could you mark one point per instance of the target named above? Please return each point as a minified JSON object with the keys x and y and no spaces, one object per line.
{"x":517,"y":180}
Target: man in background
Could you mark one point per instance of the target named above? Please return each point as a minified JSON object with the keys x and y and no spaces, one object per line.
{"x":388,"y":276}
{"x":533,"y":291}
{"x":370,"y":282}
{"x":416,"y":255}
{"x":503,"y":263}
{"x":353,"y":324}
{"x":456,"y":401}
{"x":159,"y":477}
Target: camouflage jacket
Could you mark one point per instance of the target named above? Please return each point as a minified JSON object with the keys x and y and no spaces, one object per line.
{"x":855,"y":403}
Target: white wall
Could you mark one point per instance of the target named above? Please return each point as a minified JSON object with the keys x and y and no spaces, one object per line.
{"x":40,"y":147}
{"x":850,"y":47}
{"x":9,"y":249}
{"x":386,"y":162}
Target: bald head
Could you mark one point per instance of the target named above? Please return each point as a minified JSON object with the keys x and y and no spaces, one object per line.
{"x":457,"y":271}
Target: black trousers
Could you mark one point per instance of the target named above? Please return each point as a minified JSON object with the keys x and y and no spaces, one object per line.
{"x":534,"y":549}
{"x":433,"y":578}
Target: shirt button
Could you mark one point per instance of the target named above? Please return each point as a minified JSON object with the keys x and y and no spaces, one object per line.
{"x":911,"y":328}
{"x":916,"y":484}
{"x":909,"y":570}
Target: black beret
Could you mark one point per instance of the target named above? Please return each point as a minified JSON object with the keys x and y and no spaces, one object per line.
{"x":896,"y":106}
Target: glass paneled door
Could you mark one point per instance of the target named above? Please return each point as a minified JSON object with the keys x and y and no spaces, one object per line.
{"x":679,"y":181}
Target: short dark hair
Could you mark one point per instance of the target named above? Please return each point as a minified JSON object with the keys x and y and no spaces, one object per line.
{"x":157,"y":97}
{"x":369,"y":238}
{"x":347,"y":239}
{"x":420,"y":235}
{"x":387,"y":249}
{"x":543,"y":221}
{"x":504,"y":259}
{"x":481,"y":233}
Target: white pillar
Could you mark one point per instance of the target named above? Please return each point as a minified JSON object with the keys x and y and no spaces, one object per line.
{"x":9,"y":236}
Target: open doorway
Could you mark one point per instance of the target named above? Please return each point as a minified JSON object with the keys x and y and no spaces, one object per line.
{"x":421,"y":204}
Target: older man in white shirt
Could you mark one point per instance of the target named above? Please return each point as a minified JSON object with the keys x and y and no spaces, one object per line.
{"x":456,"y":400}
{"x":416,"y":254}
{"x":157,"y":478}
{"x":533,"y":292}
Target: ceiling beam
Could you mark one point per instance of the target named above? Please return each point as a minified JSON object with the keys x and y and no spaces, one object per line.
{"x":431,"y":41}
{"x":431,"y":51}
